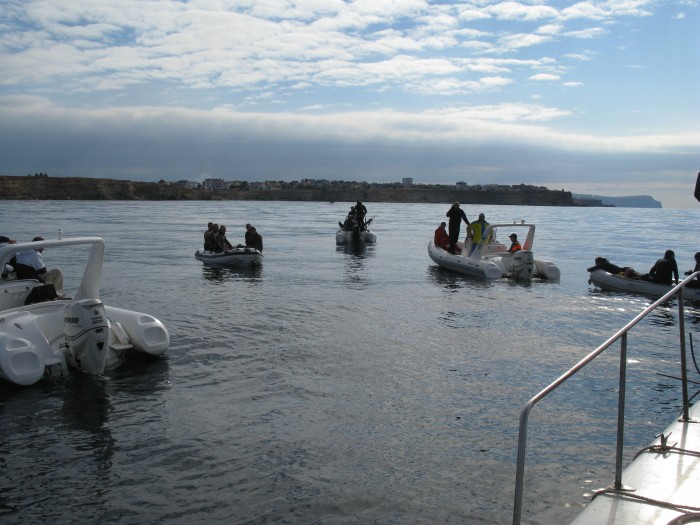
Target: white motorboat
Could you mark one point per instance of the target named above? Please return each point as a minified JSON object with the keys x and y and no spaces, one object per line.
{"x":243,"y":256}
{"x":490,"y":259}
{"x":617,"y":283}
{"x":46,"y":339}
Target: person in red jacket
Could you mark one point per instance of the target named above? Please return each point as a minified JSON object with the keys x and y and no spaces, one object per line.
{"x":442,"y":239}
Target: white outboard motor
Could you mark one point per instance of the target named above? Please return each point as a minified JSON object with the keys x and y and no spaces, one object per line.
{"x":523,"y":265}
{"x":86,"y":329}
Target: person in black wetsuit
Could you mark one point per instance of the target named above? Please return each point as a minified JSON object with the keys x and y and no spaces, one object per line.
{"x":695,"y":283}
{"x":456,"y":215}
{"x":664,"y":271}
{"x":360,"y":212}
{"x":255,"y":240}
{"x":601,"y":263}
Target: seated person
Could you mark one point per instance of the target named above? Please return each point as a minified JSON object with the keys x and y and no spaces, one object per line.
{"x":601,"y":263}
{"x":255,"y":240}
{"x":664,"y":270}
{"x":29,"y":265}
{"x":515,"y":245}
{"x":442,"y":239}
{"x":695,"y":283}
{"x":221,"y":243}
{"x":210,"y":237}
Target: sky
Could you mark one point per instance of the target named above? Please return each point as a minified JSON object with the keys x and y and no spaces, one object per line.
{"x":594,"y":97}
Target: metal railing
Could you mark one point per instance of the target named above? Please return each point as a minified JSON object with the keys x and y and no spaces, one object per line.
{"x":622,"y":336}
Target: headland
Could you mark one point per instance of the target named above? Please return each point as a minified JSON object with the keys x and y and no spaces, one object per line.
{"x":42,"y":187}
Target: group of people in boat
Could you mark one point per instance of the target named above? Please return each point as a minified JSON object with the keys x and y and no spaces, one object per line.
{"x":355,"y":217}
{"x":664,"y":270}
{"x":475,"y":231}
{"x":29,"y":264}
{"x":215,"y":240}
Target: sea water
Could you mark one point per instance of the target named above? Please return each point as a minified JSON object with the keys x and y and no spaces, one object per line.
{"x":338,"y":386}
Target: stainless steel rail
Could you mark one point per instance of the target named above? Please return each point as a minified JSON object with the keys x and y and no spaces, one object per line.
{"x":622,"y":336}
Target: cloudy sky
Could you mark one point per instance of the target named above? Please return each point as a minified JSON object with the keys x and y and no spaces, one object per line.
{"x":594,"y":97}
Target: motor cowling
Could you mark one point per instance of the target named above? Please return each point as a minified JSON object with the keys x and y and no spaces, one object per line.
{"x":85,"y":327}
{"x":523,"y":265}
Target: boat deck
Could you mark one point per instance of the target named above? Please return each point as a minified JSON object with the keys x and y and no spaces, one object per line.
{"x":664,"y":482}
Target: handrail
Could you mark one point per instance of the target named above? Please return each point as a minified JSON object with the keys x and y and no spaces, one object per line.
{"x":620,"y":334}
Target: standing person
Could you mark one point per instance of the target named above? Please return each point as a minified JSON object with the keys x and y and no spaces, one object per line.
{"x":360,"y":212}
{"x":442,"y":239}
{"x":222,"y":243}
{"x":515,"y":245}
{"x":30,"y":265}
{"x":663,"y":270}
{"x":255,"y":240}
{"x":210,"y":238}
{"x":456,"y":215}
{"x":476,"y":231}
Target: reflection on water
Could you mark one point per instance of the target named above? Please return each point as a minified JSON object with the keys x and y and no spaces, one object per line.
{"x":226,"y":273}
{"x":453,"y":281}
{"x":356,"y":255}
{"x":355,"y":248}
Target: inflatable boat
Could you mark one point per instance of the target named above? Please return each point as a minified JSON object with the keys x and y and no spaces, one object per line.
{"x":617,"y":283}
{"x":49,"y":338}
{"x":235,"y":257}
{"x":491,"y":260}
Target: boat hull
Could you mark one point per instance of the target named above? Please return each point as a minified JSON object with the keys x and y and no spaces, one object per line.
{"x":618,"y":284}
{"x":236,"y":257}
{"x":346,"y":237}
{"x":465,"y":265}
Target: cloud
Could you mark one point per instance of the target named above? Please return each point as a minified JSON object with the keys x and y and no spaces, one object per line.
{"x":169,"y":88}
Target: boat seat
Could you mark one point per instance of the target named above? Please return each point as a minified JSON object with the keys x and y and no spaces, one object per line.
{"x":15,"y":293}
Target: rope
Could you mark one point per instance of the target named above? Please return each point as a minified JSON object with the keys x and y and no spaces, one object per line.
{"x":686,"y":509}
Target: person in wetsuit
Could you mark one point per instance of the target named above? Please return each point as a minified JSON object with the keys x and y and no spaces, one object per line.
{"x":360,"y":212}
{"x":255,"y":240}
{"x":456,"y":215}
{"x":601,"y":263}
{"x":664,"y":271}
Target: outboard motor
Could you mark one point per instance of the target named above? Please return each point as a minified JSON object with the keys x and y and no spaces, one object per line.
{"x":523,"y":265}
{"x":86,"y":329}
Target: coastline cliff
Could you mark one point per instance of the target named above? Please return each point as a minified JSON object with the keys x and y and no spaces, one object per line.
{"x":75,"y":188}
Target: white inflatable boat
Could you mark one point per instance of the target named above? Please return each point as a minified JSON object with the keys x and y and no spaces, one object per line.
{"x":46,"y":339}
{"x":491,"y":260}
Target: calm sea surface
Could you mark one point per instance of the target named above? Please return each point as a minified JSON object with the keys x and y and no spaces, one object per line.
{"x":332,"y":386}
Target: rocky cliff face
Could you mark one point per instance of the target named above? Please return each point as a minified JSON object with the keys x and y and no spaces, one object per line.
{"x":73,"y":188}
